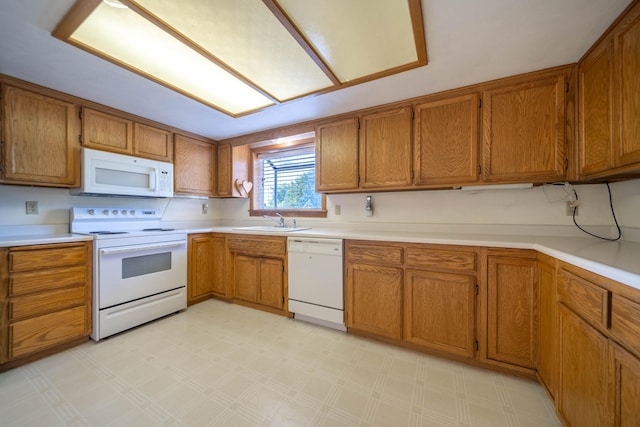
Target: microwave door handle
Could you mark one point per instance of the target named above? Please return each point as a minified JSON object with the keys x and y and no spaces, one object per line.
{"x":153,"y":179}
{"x":136,"y":248}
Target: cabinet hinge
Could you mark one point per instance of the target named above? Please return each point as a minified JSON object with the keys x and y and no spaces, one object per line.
{"x":566,"y":164}
{"x":358,"y":179}
{"x":477,"y":289}
{"x":413,"y":175}
{"x":358,"y":123}
{"x":480,"y":103}
{"x":80,"y":139}
{"x":476,"y":345}
{"x":413,"y":115}
{"x":479,"y":169}
{"x":80,"y":114}
{"x":566,"y":87}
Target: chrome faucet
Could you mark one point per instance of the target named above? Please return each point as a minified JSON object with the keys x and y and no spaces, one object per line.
{"x":280,"y":220}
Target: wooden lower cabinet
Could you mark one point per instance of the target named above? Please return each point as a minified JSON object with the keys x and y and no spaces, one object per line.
{"x":207,"y":270}
{"x":584,"y":395}
{"x":440,"y":311}
{"x":626,"y":391}
{"x":374,"y":300}
{"x":511,"y":308}
{"x":548,"y":324}
{"x":45,"y":299}
{"x":259,"y":271}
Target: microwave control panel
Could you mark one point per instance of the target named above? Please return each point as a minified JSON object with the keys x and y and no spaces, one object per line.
{"x":165,"y":181}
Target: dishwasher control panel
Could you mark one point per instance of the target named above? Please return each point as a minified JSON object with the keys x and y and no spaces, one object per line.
{"x":316,"y":246}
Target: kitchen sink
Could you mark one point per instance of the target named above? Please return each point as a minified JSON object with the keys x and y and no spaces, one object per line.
{"x":271,"y":228}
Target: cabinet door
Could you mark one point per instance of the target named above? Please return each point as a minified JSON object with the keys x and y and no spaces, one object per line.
{"x":439,"y":311}
{"x":584,"y":397}
{"x":40,"y":140}
{"x":201,"y":273}
{"x":104,"y":131}
{"x":512,"y":305}
{"x":627,"y":40}
{"x":374,"y":300}
{"x":385,"y":149}
{"x":271,"y":291}
{"x":547,"y":343}
{"x":152,"y":143}
{"x":595,"y":110}
{"x":446,"y":141}
{"x":224,"y":160}
{"x":337,"y":156}
{"x":626,"y":388}
{"x":523,"y":132}
{"x":220,"y":281}
{"x":246,"y":273}
{"x":194,"y":166}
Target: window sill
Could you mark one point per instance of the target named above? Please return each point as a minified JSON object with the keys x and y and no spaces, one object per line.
{"x":288,"y":213}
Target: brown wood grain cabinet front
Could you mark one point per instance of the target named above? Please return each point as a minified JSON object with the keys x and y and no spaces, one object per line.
{"x":608,"y":108}
{"x":207,"y":267}
{"x":152,"y":142}
{"x":511,"y":309}
{"x":233,"y":165}
{"x":103,"y":131}
{"x":548,"y":324}
{"x":259,"y":274}
{"x":47,"y":298}
{"x":40,"y":138}
{"x":446,"y":141}
{"x":194,"y":163}
{"x":337,"y":156}
{"x":524,"y":131}
{"x":386,"y":149}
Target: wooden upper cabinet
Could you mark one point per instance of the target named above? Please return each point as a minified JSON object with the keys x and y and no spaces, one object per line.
{"x":595,"y":110}
{"x":107,"y":132}
{"x":152,"y":143}
{"x":337,"y":156}
{"x":446,"y":141}
{"x":386,"y":149}
{"x":233,"y":171}
{"x":523,"y":131}
{"x":40,"y":136}
{"x":627,"y":50}
{"x":194,"y":166}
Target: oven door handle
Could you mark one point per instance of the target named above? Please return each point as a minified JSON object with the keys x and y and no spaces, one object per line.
{"x":137,"y":248}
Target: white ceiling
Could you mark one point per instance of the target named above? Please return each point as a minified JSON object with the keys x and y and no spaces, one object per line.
{"x":468,"y":41}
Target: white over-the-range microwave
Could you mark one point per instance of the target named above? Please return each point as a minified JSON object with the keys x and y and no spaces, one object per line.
{"x":111,"y":174}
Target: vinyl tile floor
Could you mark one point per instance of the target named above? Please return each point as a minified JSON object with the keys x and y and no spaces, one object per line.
{"x":219,"y":364}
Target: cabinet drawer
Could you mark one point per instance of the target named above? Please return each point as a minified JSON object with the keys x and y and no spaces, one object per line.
{"x":258,"y":245}
{"x":46,"y":302}
{"x":31,"y":259}
{"x":585,"y":298}
{"x":439,"y":259}
{"x":625,"y":322}
{"x":46,"y":280}
{"x":374,"y":254}
{"x":40,"y":333}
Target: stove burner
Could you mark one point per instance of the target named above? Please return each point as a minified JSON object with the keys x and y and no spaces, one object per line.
{"x":101,"y":233}
{"x":158,"y":229}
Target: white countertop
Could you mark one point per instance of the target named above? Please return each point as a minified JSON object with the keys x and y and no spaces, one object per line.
{"x":618,"y":261}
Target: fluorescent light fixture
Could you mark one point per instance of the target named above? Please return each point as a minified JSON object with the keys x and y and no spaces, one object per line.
{"x":241,"y":56}
{"x":495,"y":187}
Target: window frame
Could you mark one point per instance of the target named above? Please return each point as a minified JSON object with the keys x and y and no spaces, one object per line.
{"x":283,"y":147}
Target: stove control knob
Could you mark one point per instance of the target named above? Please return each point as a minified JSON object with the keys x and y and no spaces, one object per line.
{"x":124,"y":212}
{"x":115,"y":212}
{"x":105,"y":212}
{"x":91,"y":211}
{"x":132,"y":212}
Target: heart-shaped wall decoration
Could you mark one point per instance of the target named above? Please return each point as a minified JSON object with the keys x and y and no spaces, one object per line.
{"x":243,"y":187}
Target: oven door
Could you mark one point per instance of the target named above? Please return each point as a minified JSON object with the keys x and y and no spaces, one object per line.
{"x":128,"y":273}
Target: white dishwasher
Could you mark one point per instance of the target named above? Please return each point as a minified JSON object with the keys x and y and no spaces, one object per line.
{"x":315,"y":281}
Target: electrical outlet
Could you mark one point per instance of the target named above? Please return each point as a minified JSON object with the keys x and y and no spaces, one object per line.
{"x":338,"y":210}
{"x":571,"y":208}
{"x":205,"y":208}
{"x":31,"y":207}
